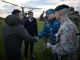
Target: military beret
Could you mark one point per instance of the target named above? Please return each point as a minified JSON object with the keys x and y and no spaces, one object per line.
{"x":60,"y":7}
{"x":50,"y":11}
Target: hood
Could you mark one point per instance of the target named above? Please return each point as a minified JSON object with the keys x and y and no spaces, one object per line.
{"x":12,"y":20}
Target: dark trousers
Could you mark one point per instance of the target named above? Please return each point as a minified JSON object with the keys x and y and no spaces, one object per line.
{"x":27,"y":44}
{"x":55,"y":57}
{"x":13,"y":49}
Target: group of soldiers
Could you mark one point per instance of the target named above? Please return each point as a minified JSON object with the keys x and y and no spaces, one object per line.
{"x":73,"y":15}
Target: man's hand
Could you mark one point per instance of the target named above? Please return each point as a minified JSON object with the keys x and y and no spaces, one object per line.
{"x":48,"y":45}
{"x":35,"y":39}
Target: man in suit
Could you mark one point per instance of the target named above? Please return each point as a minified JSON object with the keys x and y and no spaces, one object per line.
{"x":31,"y":26}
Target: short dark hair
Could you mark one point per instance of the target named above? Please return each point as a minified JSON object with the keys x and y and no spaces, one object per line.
{"x":30,"y":12}
{"x":15,"y":12}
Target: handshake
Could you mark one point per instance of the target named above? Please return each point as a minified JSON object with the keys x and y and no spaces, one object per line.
{"x":34,"y":39}
{"x":48,"y":45}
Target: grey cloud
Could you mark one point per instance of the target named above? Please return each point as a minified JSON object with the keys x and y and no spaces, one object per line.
{"x":38,"y":3}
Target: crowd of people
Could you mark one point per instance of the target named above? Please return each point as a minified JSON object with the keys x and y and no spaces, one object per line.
{"x":59,"y":33}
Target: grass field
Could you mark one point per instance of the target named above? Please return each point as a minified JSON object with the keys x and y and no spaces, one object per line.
{"x":2,"y":52}
{"x":38,"y":49}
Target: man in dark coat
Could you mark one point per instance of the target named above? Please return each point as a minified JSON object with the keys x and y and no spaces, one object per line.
{"x":13,"y":34}
{"x":31,"y":26}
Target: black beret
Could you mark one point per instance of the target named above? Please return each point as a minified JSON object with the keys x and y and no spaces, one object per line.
{"x":60,"y":7}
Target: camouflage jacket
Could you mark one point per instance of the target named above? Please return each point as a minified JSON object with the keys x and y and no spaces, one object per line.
{"x":67,"y":39}
{"x":75,"y":18}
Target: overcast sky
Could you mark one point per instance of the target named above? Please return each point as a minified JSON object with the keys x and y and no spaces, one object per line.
{"x":5,"y":8}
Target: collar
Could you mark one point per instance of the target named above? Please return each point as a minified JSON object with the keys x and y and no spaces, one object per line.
{"x":30,"y":19}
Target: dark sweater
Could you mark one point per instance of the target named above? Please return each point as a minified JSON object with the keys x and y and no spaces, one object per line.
{"x":31,"y":26}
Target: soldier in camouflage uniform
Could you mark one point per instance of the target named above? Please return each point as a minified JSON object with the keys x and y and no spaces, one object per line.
{"x":67,"y":40}
{"x":74,"y":16}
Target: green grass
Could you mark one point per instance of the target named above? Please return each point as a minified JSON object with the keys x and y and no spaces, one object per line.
{"x":2,"y":52}
{"x":38,"y":48}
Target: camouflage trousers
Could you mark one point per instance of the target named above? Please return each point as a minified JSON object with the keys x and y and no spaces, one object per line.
{"x":68,"y":57}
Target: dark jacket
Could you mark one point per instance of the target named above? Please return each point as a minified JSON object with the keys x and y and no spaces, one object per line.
{"x":31,"y":26}
{"x":14,"y":30}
